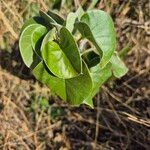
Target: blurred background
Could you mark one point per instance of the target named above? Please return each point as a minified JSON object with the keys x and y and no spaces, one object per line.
{"x":33,"y":118}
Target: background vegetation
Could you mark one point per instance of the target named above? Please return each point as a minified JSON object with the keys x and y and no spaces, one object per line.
{"x":31,"y":117}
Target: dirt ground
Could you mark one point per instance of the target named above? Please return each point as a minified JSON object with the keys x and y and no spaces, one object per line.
{"x":33,"y":118}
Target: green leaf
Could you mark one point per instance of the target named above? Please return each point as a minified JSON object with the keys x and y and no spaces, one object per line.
{"x":37,"y":38}
{"x":118,"y":67}
{"x":48,"y":19}
{"x":89,"y":101}
{"x":57,"y":62}
{"x":25,"y":44}
{"x":50,"y":50}
{"x":66,"y":89}
{"x":70,"y":21}
{"x":99,"y":76}
{"x":97,"y":26}
{"x":50,"y":36}
{"x":74,"y":90}
{"x":78,"y":88}
{"x":67,"y":58}
{"x":70,"y":48}
{"x":57,"y":85}
{"x":56,"y":17}
{"x":79,"y":12}
{"x":72,"y":17}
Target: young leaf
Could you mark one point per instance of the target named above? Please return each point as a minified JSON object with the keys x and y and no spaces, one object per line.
{"x":37,"y":38}
{"x":78,"y":88}
{"x":70,"y":48}
{"x":99,"y":76}
{"x":99,"y":29}
{"x":25,"y":43}
{"x":70,"y":21}
{"x":71,"y":18}
{"x":69,"y":89}
{"x":50,"y":36}
{"x":54,"y":56}
{"x":57,"y":85}
{"x":86,"y":33}
{"x":118,"y":67}
{"x":57,"y":62}
{"x":79,"y":12}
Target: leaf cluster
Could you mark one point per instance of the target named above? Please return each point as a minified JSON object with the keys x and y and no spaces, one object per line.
{"x":49,"y":46}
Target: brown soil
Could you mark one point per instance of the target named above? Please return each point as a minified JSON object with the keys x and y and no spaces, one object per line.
{"x":121,"y":117}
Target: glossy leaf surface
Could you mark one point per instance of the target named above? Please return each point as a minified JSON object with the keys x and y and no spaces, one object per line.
{"x":57,"y":62}
{"x":70,"y":48}
{"x":37,"y":38}
{"x":25,"y":43}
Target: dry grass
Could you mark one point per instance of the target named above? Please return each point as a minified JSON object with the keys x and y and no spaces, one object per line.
{"x":121,"y":118}
{"x":12,"y":15}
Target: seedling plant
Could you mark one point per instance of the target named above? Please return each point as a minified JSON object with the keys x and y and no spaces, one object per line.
{"x":53,"y":49}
